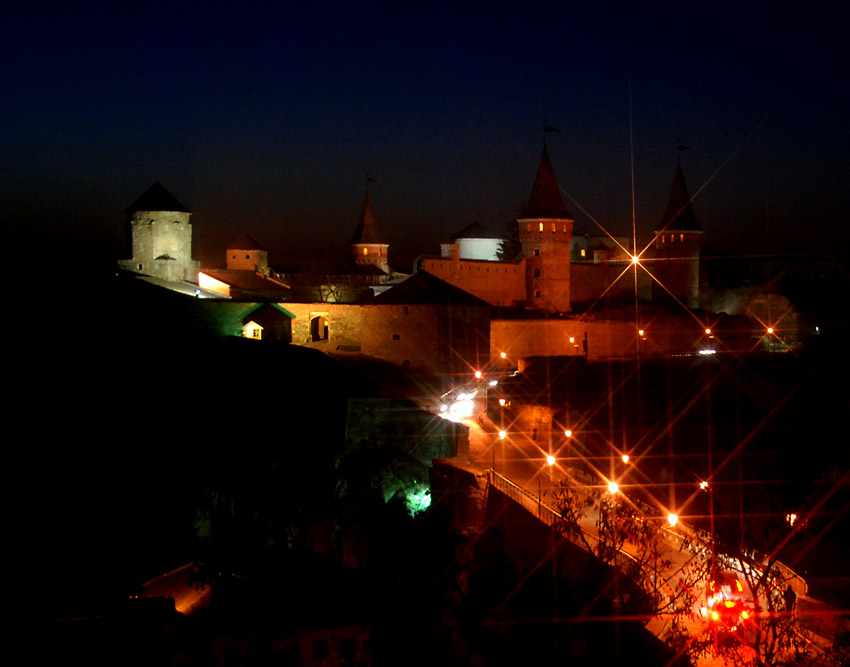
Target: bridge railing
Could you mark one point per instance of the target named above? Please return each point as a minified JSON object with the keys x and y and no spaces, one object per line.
{"x":550,"y":517}
{"x":688,"y":538}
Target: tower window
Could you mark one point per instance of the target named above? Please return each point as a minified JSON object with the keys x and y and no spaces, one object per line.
{"x":365,"y":251}
{"x":396,"y":337}
{"x":540,"y":226}
{"x":536,"y":273}
{"x":554,"y":228}
{"x":681,"y":237}
{"x":536,"y":252}
{"x":583,"y":252}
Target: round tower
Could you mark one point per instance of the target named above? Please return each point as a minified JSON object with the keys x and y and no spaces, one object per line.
{"x":678,"y":241}
{"x":367,"y":244}
{"x":546,"y":232}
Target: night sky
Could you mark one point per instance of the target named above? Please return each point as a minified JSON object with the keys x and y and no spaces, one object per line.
{"x":266,"y":117}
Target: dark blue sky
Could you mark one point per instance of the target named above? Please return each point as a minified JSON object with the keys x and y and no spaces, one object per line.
{"x":265,"y":117}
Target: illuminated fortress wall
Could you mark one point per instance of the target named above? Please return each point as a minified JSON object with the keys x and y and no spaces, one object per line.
{"x":344,"y":324}
{"x":497,"y":283}
{"x":439,"y":338}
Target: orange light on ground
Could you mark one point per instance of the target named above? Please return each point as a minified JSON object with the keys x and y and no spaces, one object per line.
{"x":503,"y":435}
{"x":550,"y":460}
{"x":568,"y":433}
{"x":625,"y":458}
{"x":672,"y":519}
{"x":613,"y":487}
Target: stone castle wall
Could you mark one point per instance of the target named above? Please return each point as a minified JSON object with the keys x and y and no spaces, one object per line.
{"x":344,"y":323}
{"x":433,"y":338}
{"x":601,"y":339}
{"x":497,"y":283}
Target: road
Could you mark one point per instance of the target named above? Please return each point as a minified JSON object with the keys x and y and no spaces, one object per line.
{"x":688,"y":552}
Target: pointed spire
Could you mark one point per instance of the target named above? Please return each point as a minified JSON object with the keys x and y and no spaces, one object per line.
{"x":546,"y":200}
{"x":679,"y":215}
{"x":367,"y":228}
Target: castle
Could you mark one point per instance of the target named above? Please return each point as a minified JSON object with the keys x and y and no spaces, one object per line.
{"x":559,"y":294}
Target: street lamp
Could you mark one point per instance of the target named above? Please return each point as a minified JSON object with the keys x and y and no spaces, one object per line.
{"x":550,"y":460}
{"x":613,"y":487}
{"x":672,"y":519}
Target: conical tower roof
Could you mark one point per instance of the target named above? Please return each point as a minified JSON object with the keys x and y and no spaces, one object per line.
{"x":156,"y":198}
{"x":245,"y":242}
{"x":679,"y":215}
{"x":367,"y":228}
{"x":546,"y":200}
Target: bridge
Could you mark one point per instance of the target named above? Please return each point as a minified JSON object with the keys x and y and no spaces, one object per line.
{"x":686,"y":552}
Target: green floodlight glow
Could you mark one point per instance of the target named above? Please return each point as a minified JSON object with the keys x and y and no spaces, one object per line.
{"x":417,"y":501}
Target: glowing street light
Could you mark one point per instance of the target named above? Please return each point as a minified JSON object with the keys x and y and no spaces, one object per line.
{"x":568,"y":433}
{"x":791,"y":518}
{"x":672,"y":519}
{"x":703,"y":485}
{"x":635,"y":259}
{"x":503,"y":355}
{"x":477,"y":375}
{"x":708,"y":331}
{"x":550,"y":460}
{"x":770,"y":330}
{"x":613,"y":487}
{"x":503,"y":435}
{"x":625,"y":458}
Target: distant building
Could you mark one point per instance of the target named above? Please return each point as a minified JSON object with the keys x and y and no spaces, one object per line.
{"x":553,"y":271}
{"x":247,"y":276}
{"x":368,"y":245}
{"x":678,"y":241}
{"x":159,"y":230}
{"x":475,"y":241}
